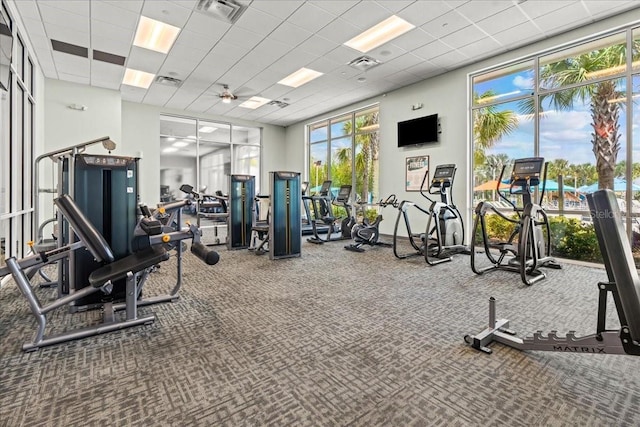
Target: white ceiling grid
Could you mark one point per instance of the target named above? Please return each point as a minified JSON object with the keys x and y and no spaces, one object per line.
{"x":273,"y":38}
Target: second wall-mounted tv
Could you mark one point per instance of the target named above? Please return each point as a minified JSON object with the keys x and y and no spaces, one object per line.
{"x":422,"y":130}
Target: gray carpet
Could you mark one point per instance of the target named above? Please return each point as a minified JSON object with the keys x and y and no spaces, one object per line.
{"x":334,"y":338}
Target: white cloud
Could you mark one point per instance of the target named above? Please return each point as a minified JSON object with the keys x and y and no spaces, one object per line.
{"x":523,"y":82}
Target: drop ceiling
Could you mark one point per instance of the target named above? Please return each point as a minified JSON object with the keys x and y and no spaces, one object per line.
{"x":271,"y":39}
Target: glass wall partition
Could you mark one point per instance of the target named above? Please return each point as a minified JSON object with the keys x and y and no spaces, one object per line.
{"x":571,"y":106}
{"x":204,"y":154}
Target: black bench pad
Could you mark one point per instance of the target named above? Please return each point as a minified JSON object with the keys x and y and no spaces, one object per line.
{"x":134,"y":263}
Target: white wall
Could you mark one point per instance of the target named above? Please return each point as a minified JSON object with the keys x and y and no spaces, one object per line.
{"x":447,"y":96}
{"x":65,"y":127}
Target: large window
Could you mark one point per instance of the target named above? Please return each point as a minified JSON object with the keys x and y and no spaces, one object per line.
{"x":17,"y":107}
{"x":572,"y":107}
{"x":344,"y":149}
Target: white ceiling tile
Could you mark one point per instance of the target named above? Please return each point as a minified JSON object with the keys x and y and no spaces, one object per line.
{"x":64,"y":34}
{"x":76,"y":7}
{"x":445,"y":24}
{"x":386,"y":52}
{"x":432,"y":50}
{"x":278,"y":8}
{"x":159,"y":94}
{"x":292,"y":61}
{"x":71,"y":64}
{"x":339,"y":31}
{"x":311,"y":17}
{"x":536,"y":8}
{"x":167,"y":12}
{"x":210,"y":27}
{"x":562,"y":18}
{"x":145,"y":60}
{"x":424,"y":69}
{"x":71,"y":21}
{"x":178,"y":67}
{"x":132,"y":5}
{"x":228,"y":51}
{"x":290,"y":34}
{"x":241,"y":37}
{"x":451,"y":59}
{"x":482,"y":48}
{"x":517,"y":35}
{"x":188,"y":4}
{"x":106,"y":72}
{"x":28,"y":9}
{"x":604,"y":8}
{"x":270,"y":50}
{"x":502,"y":20}
{"x":105,"y":29}
{"x":73,"y":78}
{"x":335,"y":7}
{"x":276,"y":92}
{"x":406,"y":61}
{"x":117,"y":47}
{"x":394,"y":6}
{"x":105,"y":84}
{"x":480,"y":9}
{"x":413,"y":39}
{"x":464,"y":36}
{"x":365,"y":14}
{"x":132,"y":94}
{"x":195,"y":40}
{"x":343,"y":55}
{"x":420,"y":12}
{"x":185,"y":52}
{"x":317,"y":45}
{"x":35,"y":27}
{"x":117,"y":16}
{"x":324,"y":65}
{"x":256,"y":21}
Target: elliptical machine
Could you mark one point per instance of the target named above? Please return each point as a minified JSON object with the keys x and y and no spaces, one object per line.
{"x":444,"y":234}
{"x":529,"y":245}
{"x":323,"y":211}
{"x":368,"y":233}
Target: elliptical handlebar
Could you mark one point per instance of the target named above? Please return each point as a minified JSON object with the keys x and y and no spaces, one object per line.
{"x":392,"y":200}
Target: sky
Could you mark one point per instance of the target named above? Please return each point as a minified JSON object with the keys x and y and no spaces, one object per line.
{"x":563,"y":134}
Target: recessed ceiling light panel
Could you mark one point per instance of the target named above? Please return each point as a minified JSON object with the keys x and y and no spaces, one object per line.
{"x":300,"y":77}
{"x":137,"y":78}
{"x":379,"y":34}
{"x":254,"y":102}
{"x":155,"y":35}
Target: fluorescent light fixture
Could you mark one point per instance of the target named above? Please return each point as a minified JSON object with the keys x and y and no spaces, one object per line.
{"x":155,"y":35}
{"x":207,"y":129}
{"x":180,"y":144}
{"x":300,"y":77}
{"x":192,"y":137}
{"x":137,"y":78}
{"x":171,"y":139}
{"x":170,"y":150}
{"x":254,"y":102}
{"x":369,"y":128}
{"x":379,"y":34}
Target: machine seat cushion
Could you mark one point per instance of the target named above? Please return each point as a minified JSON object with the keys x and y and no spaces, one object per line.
{"x":134,"y":263}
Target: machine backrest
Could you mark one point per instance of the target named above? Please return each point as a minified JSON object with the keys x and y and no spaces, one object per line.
{"x":617,"y":255}
{"x":91,"y":237}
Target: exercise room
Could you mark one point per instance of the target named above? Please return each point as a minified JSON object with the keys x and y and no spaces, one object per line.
{"x":319,"y":213}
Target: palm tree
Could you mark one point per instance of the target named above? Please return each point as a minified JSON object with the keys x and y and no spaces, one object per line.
{"x":557,"y":167}
{"x":490,"y":125}
{"x":602,"y":97}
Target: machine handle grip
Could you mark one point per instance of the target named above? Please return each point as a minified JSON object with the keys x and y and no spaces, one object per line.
{"x":209,"y":256}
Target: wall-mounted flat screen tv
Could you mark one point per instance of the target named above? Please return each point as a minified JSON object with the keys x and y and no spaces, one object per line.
{"x":6,"y":47}
{"x":418,"y":131}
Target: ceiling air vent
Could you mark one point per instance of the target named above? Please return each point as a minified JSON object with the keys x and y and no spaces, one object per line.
{"x":168,"y":81}
{"x":364,"y":63}
{"x":280,"y":104}
{"x":224,"y":10}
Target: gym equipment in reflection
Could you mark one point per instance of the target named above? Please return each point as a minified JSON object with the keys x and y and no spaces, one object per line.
{"x":623,"y":283}
{"x":528,"y":247}
{"x":280,"y":232}
{"x":134,"y":269}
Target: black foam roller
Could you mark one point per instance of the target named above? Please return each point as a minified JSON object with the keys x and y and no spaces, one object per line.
{"x":209,"y":256}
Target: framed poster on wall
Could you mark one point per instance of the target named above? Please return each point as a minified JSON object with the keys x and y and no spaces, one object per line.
{"x":415,"y":169}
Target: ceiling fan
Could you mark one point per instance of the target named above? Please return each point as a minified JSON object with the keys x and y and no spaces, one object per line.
{"x":226,"y":95}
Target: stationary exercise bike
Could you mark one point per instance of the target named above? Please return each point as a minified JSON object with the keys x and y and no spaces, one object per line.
{"x":529,"y":245}
{"x":368,"y":233}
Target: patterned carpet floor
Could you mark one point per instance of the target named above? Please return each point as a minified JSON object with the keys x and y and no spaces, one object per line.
{"x":334,"y":338}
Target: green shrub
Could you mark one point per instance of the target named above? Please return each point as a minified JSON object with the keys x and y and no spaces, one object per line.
{"x":570,"y":238}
